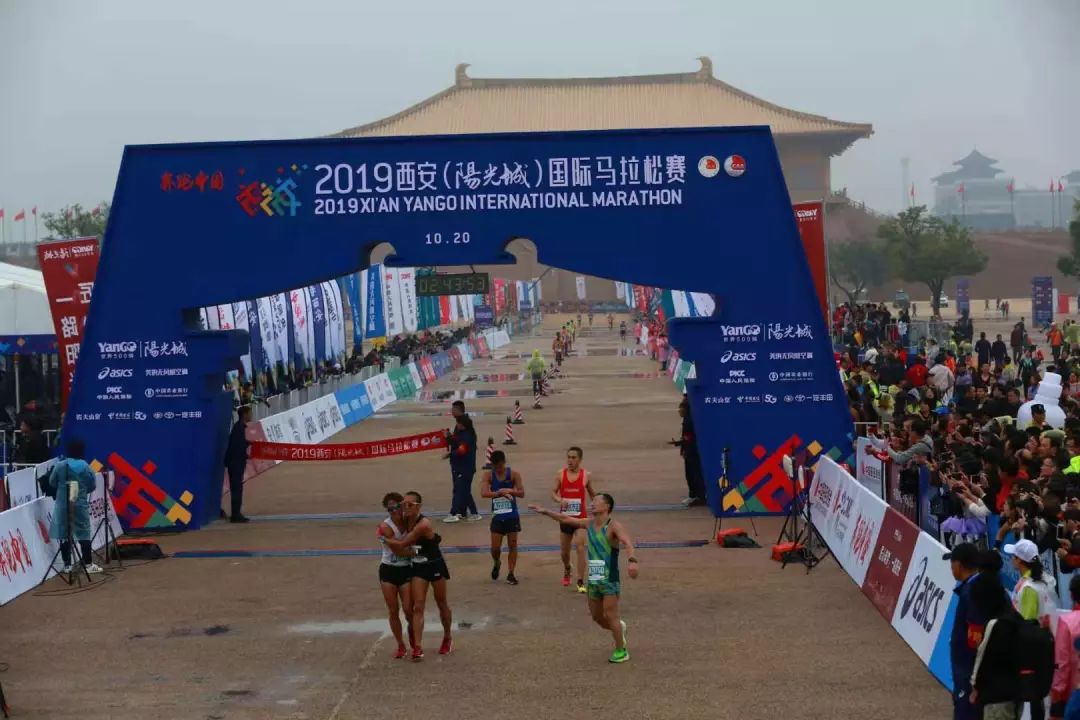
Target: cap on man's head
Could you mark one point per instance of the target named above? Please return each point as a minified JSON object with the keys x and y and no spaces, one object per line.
{"x":1038,"y":408}
{"x":965,"y":553}
{"x":1023,"y":549}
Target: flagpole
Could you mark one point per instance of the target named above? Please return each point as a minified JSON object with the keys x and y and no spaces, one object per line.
{"x":36,"y":237}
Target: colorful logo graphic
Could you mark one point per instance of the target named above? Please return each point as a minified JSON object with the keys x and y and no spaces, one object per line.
{"x":138,"y":500}
{"x":274,"y":199}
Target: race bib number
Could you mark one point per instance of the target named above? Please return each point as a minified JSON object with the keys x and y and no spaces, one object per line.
{"x":502,"y":506}
{"x":598,"y":571}
{"x":573,"y":507}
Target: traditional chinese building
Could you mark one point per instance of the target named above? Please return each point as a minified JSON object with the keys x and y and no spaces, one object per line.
{"x":974,"y":194}
{"x":806,"y":143}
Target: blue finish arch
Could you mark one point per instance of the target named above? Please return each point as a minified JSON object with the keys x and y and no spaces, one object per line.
{"x":201,"y":224}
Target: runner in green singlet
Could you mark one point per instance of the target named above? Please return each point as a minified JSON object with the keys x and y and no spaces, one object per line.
{"x":605,"y":536}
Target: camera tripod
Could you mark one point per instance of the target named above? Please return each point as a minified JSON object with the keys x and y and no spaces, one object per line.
{"x":807,"y":538}
{"x":108,"y":549}
{"x":77,"y":570}
{"x":724,"y":487}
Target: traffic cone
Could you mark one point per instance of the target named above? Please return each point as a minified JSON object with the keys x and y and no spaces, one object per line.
{"x":487,"y":453}
{"x":545,"y":388}
{"x":536,"y":401}
{"x":509,"y":432}
{"x":519,"y":416}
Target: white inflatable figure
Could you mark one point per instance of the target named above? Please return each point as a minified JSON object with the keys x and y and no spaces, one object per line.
{"x":1048,"y":394}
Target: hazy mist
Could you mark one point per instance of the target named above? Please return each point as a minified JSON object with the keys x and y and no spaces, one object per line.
{"x":80,"y":79}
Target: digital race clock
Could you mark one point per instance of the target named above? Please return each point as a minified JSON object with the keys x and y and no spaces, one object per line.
{"x":463,"y":284}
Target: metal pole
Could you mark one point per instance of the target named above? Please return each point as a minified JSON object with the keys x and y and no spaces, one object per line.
{"x":18,"y":389}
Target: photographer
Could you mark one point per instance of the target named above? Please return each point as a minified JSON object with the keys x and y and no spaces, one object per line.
{"x":73,"y":469}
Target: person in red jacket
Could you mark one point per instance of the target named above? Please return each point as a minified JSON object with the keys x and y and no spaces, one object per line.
{"x":916,"y":374}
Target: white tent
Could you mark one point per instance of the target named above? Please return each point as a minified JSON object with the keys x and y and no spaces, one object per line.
{"x":24,"y":306}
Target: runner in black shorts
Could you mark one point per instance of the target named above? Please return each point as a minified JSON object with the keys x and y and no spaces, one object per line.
{"x":504,"y":487}
{"x":395,"y":572}
{"x":428,"y":568}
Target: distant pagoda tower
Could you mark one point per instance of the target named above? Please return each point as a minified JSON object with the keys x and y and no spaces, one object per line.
{"x":974,"y":194}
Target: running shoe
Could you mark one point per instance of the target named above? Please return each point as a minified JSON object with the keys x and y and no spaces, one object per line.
{"x":93,"y":569}
{"x":619,"y":655}
{"x":447,"y":646}
{"x":475,"y":518}
{"x":511,"y":580}
{"x":565,"y":579}
{"x":452,"y":518}
{"x":400,"y":652}
{"x":417,"y":654}
{"x":495,"y":570}
{"x":581,"y":587}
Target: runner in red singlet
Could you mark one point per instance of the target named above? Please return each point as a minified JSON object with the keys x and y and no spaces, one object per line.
{"x":572,"y":484}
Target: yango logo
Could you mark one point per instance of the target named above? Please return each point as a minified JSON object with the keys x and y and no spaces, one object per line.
{"x":736,"y":357}
{"x":108,"y":373}
{"x":740,"y":333}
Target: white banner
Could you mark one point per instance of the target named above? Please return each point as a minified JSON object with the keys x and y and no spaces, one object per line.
{"x":417,"y":378}
{"x":335,"y":319}
{"x":870,"y":470}
{"x":28,"y":551}
{"x":300,"y":323}
{"x":392,"y":302}
{"x":681,"y":303}
{"x":580,"y":282}
{"x":225,"y":317}
{"x":925,"y":597}
{"x":213,"y":319}
{"x":847,"y":517}
{"x":455,"y":309}
{"x":22,"y":484}
{"x":704,"y":304}
{"x":279,"y":306}
{"x":305,"y":294}
{"x":409,"y":306}
{"x":203,"y":322}
{"x":266,"y":330}
{"x":240,"y":319}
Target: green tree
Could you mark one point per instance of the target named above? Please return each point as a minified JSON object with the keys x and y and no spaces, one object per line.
{"x":925,"y":249}
{"x":1069,"y":265}
{"x":856,"y":266}
{"x":74,"y":221}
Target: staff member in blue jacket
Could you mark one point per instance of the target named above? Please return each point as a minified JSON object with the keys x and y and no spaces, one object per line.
{"x":236,"y":457}
{"x":461,"y":443}
{"x":967,"y":630}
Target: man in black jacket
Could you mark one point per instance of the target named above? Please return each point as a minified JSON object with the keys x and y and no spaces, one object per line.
{"x":687,"y":444}
{"x":31,"y":448}
{"x":236,"y":457}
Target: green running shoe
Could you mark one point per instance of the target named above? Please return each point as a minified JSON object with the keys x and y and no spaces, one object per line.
{"x":620,"y":655}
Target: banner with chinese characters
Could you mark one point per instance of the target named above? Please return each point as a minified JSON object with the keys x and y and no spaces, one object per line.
{"x":69,"y":268}
{"x":1042,"y":299}
{"x":579,"y":285}
{"x":392,"y":302}
{"x":433,"y":440}
{"x":963,"y":296}
{"x":407,"y":280}
{"x":810,"y":217}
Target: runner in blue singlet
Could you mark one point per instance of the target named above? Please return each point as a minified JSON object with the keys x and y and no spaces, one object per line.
{"x":503,"y":486}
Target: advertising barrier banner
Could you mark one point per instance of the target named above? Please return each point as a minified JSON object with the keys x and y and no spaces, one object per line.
{"x":899,"y":568}
{"x":870,"y":469}
{"x":69,"y":269}
{"x":353,"y":404}
{"x":433,"y":440}
{"x":26,"y":548}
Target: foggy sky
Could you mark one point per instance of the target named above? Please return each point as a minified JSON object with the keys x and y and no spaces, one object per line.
{"x":82,"y":78}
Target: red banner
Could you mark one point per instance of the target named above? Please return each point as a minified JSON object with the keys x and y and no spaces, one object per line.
{"x":69,"y":268}
{"x":500,"y":297}
{"x":434,"y":440}
{"x":810,"y":217}
{"x":444,"y":310}
{"x":640,"y":300}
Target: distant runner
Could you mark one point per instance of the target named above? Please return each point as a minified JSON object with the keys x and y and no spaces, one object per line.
{"x":590,"y":319}
{"x":622,"y":331}
{"x":571,"y":485}
{"x":504,"y":486}
{"x":428,"y":569}
{"x":610,"y":322}
{"x":557,"y":348}
{"x":395,"y":571}
{"x":604,"y":537}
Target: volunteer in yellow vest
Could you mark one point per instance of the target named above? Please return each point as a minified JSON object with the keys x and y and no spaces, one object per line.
{"x":535,"y":367}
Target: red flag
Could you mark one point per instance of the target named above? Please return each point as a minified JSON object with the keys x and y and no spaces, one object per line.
{"x":960,"y":188}
{"x":912,"y":189}
{"x":1009,"y":187}
{"x":1051,"y":184}
{"x":1061,"y":188}
{"x":33,"y":211}
{"x":21,"y":215}
{"x":1,"y":213}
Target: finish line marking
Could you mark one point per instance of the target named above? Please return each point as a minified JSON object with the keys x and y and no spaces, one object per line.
{"x":375,"y":552}
{"x":439,"y":514}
